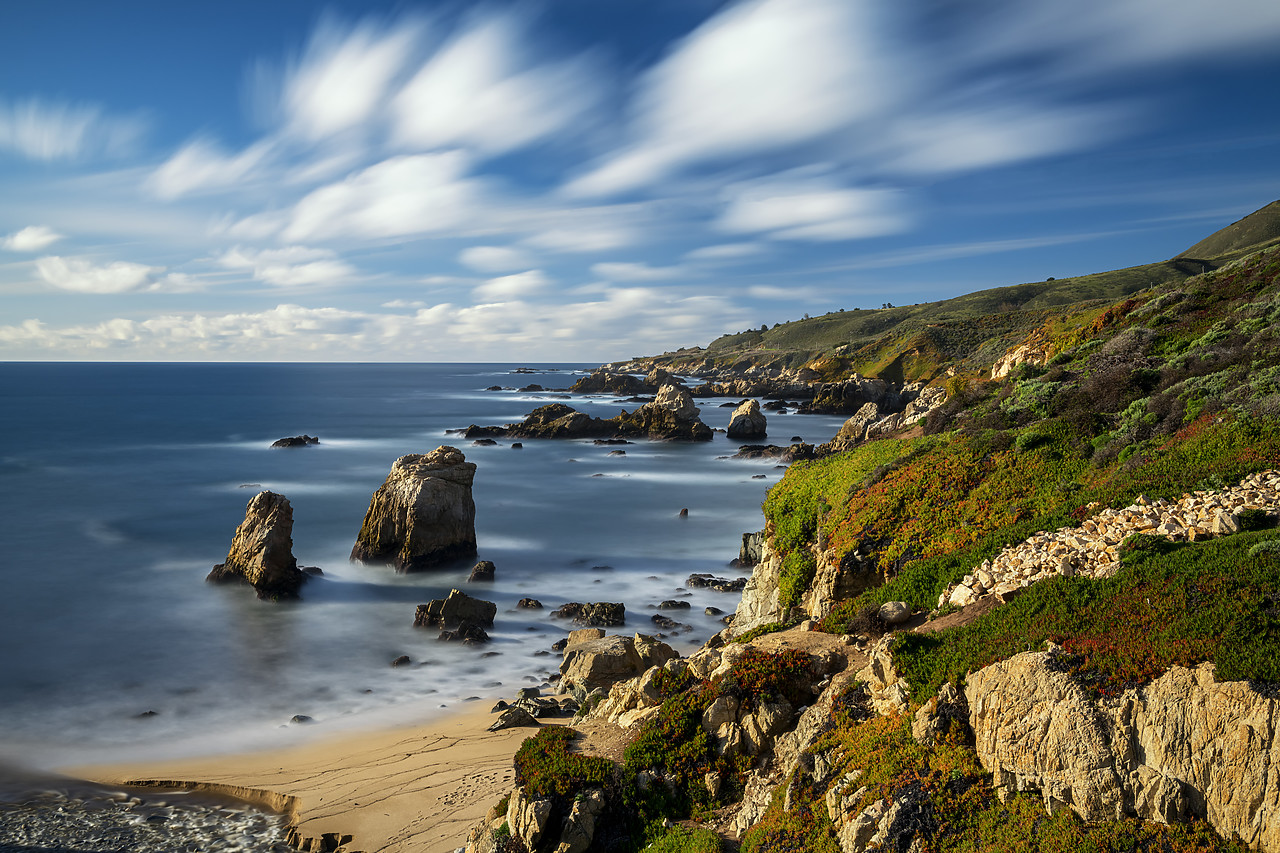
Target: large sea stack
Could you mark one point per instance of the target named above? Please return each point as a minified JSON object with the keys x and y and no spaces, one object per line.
{"x":262,"y":550}
{"x":423,"y":515}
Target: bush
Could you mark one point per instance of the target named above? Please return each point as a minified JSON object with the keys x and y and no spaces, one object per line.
{"x":546,"y":768}
{"x":683,"y":839}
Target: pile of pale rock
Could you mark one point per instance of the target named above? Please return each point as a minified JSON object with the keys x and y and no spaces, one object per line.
{"x":1091,"y":550}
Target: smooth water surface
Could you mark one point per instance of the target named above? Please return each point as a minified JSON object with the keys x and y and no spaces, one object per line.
{"x":121,"y":486}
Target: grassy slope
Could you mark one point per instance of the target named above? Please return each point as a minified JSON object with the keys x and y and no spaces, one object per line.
{"x":919,"y":342}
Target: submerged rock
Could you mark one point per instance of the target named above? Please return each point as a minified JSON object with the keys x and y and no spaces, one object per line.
{"x":423,"y":514}
{"x":262,"y":550}
{"x":482,"y":571}
{"x":595,"y":614}
{"x":296,"y":441}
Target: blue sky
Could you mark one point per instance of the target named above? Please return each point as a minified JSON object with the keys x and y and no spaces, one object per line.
{"x":588,"y":180}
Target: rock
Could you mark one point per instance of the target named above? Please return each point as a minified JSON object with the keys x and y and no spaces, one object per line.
{"x":301,"y":719}
{"x":671,"y":416}
{"x":296,"y":441}
{"x":713,"y":611}
{"x":749,"y":552}
{"x":443,"y":612}
{"x":423,"y":514}
{"x":673,"y":604}
{"x":895,"y":612}
{"x":584,"y":635}
{"x":262,"y":550}
{"x":940,"y":715}
{"x":748,"y":422}
{"x":597,"y":614}
{"x":527,"y":819}
{"x":529,"y":604}
{"x":403,"y":660}
{"x":468,"y":633}
{"x":579,"y":826}
{"x":482,"y":572}
{"x":513,"y":718}
{"x":607,"y":660}
{"x":706,"y":581}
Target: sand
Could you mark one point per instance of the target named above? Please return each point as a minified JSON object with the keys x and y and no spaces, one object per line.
{"x":417,"y":789}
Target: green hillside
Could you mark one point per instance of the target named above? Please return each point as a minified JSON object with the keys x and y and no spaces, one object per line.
{"x":920,"y":342}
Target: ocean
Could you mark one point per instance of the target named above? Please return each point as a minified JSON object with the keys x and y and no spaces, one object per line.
{"x":121,"y":486}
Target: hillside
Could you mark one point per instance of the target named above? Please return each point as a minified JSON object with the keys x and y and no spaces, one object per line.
{"x":1045,"y":620}
{"x":920,"y":342}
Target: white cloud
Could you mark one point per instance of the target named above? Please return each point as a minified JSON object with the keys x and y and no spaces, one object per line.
{"x":637,"y":272}
{"x":479,"y":93}
{"x":618,"y":323}
{"x":794,"y":207}
{"x":404,"y":303}
{"x":81,"y":276}
{"x":724,"y":253}
{"x":513,"y":287}
{"x":600,"y":237}
{"x":780,"y":294}
{"x":997,"y":134}
{"x":291,"y":266}
{"x":760,"y":76}
{"x":407,"y":195}
{"x":201,"y":165}
{"x":494,"y":258}
{"x":48,"y":130}
{"x":344,"y":77}
{"x":33,"y":238}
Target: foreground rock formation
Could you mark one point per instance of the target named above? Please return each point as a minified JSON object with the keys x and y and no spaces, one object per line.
{"x":1183,"y":745}
{"x":423,"y":514}
{"x":262,"y":550}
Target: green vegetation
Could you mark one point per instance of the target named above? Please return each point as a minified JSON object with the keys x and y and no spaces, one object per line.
{"x":683,"y":839}
{"x":1170,"y":604}
{"x":546,"y":768}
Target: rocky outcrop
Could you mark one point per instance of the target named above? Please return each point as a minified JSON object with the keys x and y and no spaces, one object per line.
{"x":423,"y":514}
{"x":671,"y":416}
{"x":890,"y":413}
{"x":604,"y":381}
{"x":482,"y":572}
{"x":604,"y":661}
{"x":1093,"y":548}
{"x":262,"y":550}
{"x":836,"y":577}
{"x":748,"y":423}
{"x":1182,"y":745}
{"x":1019,"y":355}
{"x":296,"y":441}
{"x":598,"y":614}
{"x":454,"y":610}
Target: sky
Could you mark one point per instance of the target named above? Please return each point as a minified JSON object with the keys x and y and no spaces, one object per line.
{"x":592,"y":180}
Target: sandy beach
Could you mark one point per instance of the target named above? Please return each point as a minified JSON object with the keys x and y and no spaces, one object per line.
{"x":418,"y":788}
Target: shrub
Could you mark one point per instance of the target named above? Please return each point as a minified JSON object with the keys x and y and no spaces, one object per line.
{"x":546,"y":768}
{"x":683,"y":839}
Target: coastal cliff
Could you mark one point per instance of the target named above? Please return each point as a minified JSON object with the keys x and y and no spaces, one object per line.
{"x":1040,"y":616}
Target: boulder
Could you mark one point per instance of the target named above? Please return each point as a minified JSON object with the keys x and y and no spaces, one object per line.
{"x":607,"y":660}
{"x":457,"y":608}
{"x":512,"y":718}
{"x":748,"y":422}
{"x":894,"y":612}
{"x":482,"y":572}
{"x":468,"y":633}
{"x":262,"y":550}
{"x":423,"y":514}
{"x":584,"y":635}
{"x":529,"y":604}
{"x":598,"y":614}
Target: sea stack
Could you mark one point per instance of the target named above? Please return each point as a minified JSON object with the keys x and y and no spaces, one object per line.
{"x":748,"y":422}
{"x":423,"y":514}
{"x":262,"y":550}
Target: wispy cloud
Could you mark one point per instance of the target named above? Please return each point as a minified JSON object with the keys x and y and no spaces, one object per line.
{"x":630,"y":271}
{"x":513,"y":287}
{"x":481,"y":91}
{"x":494,"y":258}
{"x":41,"y":129}
{"x":292,"y":266}
{"x":799,"y":207}
{"x":33,"y":238}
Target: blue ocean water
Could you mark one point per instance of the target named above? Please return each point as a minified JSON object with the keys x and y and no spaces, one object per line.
{"x":121,"y":486}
